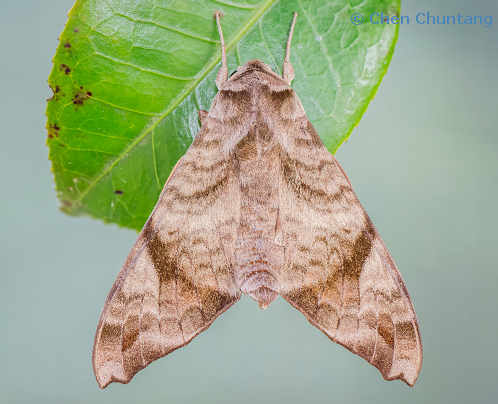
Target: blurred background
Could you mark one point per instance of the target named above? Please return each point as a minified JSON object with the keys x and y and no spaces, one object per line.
{"x":424,"y":163}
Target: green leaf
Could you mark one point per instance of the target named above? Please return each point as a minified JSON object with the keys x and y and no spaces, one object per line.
{"x":130,"y":75}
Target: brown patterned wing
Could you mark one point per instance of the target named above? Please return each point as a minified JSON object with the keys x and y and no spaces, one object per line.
{"x":179,"y":275}
{"x":338,"y":271}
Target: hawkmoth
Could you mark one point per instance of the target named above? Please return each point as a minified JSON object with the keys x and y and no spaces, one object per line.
{"x":258,"y":206}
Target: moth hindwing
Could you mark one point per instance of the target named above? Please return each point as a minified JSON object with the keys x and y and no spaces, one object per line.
{"x":257,"y":205}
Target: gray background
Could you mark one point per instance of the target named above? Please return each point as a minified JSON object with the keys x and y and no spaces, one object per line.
{"x":423,"y":162}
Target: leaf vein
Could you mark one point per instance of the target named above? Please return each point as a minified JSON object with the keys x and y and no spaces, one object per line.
{"x":235,"y":5}
{"x":168,"y":28}
{"x":95,"y":133}
{"x":91,"y":150}
{"x":144,"y":70}
{"x":123,"y":108}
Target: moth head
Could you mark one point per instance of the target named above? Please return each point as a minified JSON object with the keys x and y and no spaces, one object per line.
{"x":252,"y":65}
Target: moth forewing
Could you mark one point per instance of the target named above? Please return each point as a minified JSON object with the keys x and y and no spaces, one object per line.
{"x":257,"y":205}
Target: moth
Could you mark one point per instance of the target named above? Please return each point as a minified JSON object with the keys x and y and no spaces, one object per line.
{"x":258,"y":206}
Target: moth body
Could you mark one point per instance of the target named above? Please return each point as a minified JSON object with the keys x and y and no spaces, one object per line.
{"x":258,"y":255}
{"x":258,"y":206}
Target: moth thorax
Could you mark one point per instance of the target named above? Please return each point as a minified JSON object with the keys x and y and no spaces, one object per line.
{"x":261,"y":286}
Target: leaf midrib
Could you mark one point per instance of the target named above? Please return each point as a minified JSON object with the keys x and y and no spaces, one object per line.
{"x":203,"y":73}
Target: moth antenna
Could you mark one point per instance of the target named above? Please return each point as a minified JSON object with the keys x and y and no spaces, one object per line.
{"x":288,"y":70}
{"x":222,"y":75}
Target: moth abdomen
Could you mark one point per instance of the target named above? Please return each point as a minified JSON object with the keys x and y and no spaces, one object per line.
{"x":261,"y":285}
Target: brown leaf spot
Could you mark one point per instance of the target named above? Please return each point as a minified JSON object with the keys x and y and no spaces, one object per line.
{"x":53,"y":92}
{"x":62,"y":145}
{"x":80,"y":97}
{"x":118,"y":192}
{"x":57,"y":89}
{"x":66,"y":68}
{"x":66,"y":203}
{"x":53,"y":130}
{"x":89,"y":93}
{"x":67,"y":44}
